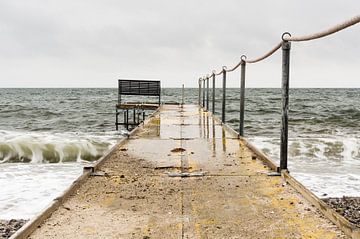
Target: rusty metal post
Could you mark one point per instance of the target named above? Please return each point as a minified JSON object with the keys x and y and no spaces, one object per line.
{"x":224,"y":97}
{"x":213,"y":93}
{"x":285,"y":104}
{"x":207,"y":93}
{"x":242,"y":97}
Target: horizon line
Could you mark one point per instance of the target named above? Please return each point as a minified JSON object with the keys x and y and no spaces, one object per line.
{"x":179,"y":87}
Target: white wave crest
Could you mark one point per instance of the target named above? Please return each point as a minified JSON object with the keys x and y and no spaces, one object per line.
{"x":32,"y":147}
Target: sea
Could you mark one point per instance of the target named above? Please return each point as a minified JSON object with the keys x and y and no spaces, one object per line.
{"x":47,"y":136}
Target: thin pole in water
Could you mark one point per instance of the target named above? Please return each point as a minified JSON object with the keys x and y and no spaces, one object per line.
{"x":117,"y":119}
{"x":134,"y":116}
{"x":127,"y":119}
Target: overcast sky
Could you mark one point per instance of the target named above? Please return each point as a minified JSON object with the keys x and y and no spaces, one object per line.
{"x":88,"y":43}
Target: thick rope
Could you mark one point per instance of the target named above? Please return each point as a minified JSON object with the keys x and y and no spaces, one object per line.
{"x":217,"y":74}
{"x":220,"y":72}
{"x":242,"y":61}
{"x":235,"y":67}
{"x":287,"y":37}
{"x":325,"y":33}
{"x":277,"y":47}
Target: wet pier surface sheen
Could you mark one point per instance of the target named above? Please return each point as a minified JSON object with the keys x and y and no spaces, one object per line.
{"x":225,"y":192}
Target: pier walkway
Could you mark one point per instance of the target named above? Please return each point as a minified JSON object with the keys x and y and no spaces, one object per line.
{"x":185,"y":175}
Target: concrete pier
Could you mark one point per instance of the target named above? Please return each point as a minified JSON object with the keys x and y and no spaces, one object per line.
{"x":184,"y":175}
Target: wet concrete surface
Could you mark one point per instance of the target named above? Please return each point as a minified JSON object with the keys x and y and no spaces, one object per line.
{"x":230,"y":195}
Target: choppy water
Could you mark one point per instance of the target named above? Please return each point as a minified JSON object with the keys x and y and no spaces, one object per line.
{"x":324,"y":127}
{"x":47,"y":135}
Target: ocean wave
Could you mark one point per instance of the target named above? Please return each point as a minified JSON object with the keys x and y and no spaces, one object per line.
{"x":26,"y":147}
{"x":313,"y":149}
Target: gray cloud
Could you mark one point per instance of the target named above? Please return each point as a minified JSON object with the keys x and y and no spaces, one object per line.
{"x":92,"y":43}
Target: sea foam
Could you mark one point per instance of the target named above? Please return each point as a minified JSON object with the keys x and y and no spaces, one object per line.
{"x":40,"y":147}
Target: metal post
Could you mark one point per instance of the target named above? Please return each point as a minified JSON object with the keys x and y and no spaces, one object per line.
{"x":182,"y":95}
{"x":127,"y":119}
{"x":207,"y":93}
{"x":285,"y":104}
{"x":199,"y":92}
{"x":224,"y":97}
{"x":242,"y":98}
{"x":117,"y":120}
{"x":134,"y":116}
{"x":119,"y":92}
{"x":159,"y":95}
{"x":213,"y":94}
{"x":124,"y":111}
{"x":203,"y":105}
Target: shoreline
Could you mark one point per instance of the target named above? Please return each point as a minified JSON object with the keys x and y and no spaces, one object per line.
{"x":348,"y":207}
{"x":9,"y":227}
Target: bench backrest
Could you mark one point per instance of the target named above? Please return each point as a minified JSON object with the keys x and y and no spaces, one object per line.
{"x":139,"y":87}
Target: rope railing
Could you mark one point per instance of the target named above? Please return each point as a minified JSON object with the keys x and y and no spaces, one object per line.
{"x":287,"y":37}
{"x":235,"y":67}
{"x":327,"y":32}
{"x":272,"y":51}
{"x":218,"y":73}
{"x":285,"y":44}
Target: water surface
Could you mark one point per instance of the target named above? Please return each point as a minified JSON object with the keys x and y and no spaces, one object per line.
{"x":48,"y":135}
